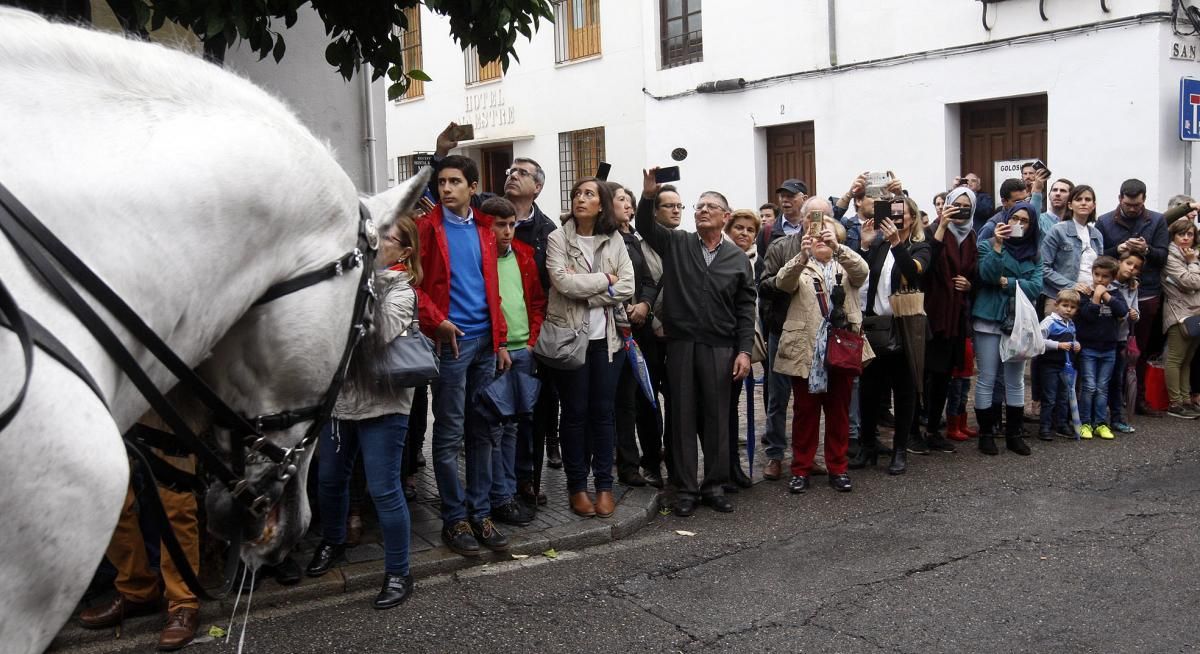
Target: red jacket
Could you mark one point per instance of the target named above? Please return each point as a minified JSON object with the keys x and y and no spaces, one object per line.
{"x":535,"y":297}
{"x":433,"y":302}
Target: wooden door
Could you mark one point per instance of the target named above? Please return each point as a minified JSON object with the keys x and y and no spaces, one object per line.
{"x":495,"y":161}
{"x":791,"y":152}
{"x":995,"y":130}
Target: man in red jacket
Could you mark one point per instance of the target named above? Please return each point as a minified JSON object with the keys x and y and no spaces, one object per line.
{"x":459,"y":307}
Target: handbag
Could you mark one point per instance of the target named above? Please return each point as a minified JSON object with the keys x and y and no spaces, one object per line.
{"x":562,"y":347}
{"x":759,"y":351}
{"x":844,"y":347}
{"x":1191,"y":326}
{"x":881,"y":333}
{"x":411,"y":359}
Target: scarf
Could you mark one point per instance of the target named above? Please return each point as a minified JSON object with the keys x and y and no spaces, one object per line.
{"x":960,"y":228}
{"x":1026,"y":247}
{"x":946,"y":306}
{"x":818,"y":376}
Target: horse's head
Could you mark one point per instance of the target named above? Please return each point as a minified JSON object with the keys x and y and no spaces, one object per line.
{"x":283,"y":355}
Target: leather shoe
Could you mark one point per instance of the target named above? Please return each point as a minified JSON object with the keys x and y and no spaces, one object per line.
{"x":798,"y":484}
{"x":460,"y":539}
{"x":605,"y":504}
{"x":287,"y":572}
{"x":180,"y":630}
{"x":528,"y":495}
{"x":582,"y":505}
{"x":324,"y":558}
{"x":396,"y":590}
{"x":718,"y":503}
{"x":653,"y":477}
{"x":774,"y":470}
{"x":635,"y":479}
{"x":553,"y":455}
{"x":512,"y":513}
{"x":685,"y":507}
{"x":840,"y":483}
{"x":486,"y":534}
{"x":111,"y":614}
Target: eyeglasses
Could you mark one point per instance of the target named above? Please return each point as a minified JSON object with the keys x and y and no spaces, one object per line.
{"x":711,"y":206}
{"x":519,"y":172}
{"x":673,"y":205}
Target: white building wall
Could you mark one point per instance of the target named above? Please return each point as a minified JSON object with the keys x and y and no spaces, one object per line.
{"x":892,"y":103}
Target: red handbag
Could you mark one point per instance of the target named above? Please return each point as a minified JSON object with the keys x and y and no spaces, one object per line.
{"x":844,"y":351}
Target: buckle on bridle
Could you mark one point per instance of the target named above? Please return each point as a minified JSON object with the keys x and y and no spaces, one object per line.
{"x":337,"y":269}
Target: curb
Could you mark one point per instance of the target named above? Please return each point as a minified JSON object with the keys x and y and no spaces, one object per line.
{"x":636,"y":509}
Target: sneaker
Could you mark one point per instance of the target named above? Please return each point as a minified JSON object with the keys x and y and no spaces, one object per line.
{"x":1123,"y":428}
{"x":798,"y":484}
{"x":1085,"y":432}
{"x":1045,"y":435}
{"x":459,"y":539}
{"x":1104,"y":433}
{"x":1065,"y":430}
{"x":1181,"y":411}
{"x":486,"y":533}
{"x":917,"y":444}
{"x":512,"y":513}
{"x":936,"y":443}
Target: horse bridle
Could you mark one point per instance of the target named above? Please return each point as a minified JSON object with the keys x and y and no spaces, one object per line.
{"x":42,"y":250}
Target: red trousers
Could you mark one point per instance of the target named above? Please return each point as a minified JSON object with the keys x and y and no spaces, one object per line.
{"x":806,"y":424}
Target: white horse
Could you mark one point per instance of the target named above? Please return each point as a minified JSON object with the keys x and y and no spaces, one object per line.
{"x":189,"y":191}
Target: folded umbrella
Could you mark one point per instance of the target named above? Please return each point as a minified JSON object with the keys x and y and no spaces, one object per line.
{"x":497,"y":402}
{"x":641,"y":370}
{"x":909,"y":309}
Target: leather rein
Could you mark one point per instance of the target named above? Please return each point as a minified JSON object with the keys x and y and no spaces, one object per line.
{"x":45,"y":254}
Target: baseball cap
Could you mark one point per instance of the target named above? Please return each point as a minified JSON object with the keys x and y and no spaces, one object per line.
{"x":793,"y":186}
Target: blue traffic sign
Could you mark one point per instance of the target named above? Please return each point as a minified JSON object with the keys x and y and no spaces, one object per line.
{"x":1189,"y":109}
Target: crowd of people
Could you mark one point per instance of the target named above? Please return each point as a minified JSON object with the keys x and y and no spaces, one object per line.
{"x":862,"y":308}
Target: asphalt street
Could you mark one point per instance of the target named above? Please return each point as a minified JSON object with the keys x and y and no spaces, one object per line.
{"x":1082,"y":547}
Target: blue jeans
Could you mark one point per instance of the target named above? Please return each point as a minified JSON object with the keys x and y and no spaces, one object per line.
{"x":382,"y":443}
{"x":988,"y":366}
{"x":1096,"y":369}
{"x":779,"y":390}
{"x":1116,"y":387}
{"x":514,"y":456}
{"x":956,"y":396}
{"x":587,"y":430}
{"x":453,"y":391}
{"x":1053,"y":388}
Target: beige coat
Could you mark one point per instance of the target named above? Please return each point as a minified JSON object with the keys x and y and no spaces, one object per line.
{"x":574,"y":289}
{"x":804,"y":312}
{"x":1181,"y":288}
{"x":394,"y":312}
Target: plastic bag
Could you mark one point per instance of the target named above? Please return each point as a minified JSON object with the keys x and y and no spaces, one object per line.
{"x":1025,"y":342}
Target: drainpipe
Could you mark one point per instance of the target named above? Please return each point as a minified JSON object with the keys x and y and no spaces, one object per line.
{"x":371,"y":187}
{"x":832,"y":13}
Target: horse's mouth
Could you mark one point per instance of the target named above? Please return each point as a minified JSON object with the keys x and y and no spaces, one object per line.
{"x":270,"y":528}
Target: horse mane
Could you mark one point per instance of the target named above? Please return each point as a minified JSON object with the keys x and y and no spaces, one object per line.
{"x":167,"y":81}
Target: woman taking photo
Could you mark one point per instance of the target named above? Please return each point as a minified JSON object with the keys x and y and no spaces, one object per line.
{"x":1182,"y":291}
{"x":822,"y":261}
{"x":1007,"y":261}
{"x":898,"y":256}
{"x":633,"y":407}
{"x":591,"y":279}
{"x":1070,"y":248}
{"x":742,"y":229}
{"x":373,"y":417}
{"x":948,"y":305}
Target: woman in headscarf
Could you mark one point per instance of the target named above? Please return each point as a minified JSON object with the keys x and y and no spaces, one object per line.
{"x":1007,"y":260}
{"x":948,"y":305}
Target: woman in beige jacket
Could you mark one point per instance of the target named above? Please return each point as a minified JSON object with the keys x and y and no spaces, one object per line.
{"x":1181,"y":288}
{"x":591,"y":278}
{"x":823,"y":262}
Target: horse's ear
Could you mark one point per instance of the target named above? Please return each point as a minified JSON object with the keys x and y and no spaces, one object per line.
{"x":396,"y":201}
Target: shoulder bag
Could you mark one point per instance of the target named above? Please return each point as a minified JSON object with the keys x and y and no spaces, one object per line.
{"x":844,"y":348}
{"x":562,"y":347}
{"x":411,"y":359}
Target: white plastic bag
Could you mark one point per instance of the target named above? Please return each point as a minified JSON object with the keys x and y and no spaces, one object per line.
{"x":1025,"y":342}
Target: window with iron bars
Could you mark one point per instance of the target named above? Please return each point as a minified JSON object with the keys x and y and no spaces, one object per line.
{"x":579,"y":154}
{"x":404,"y":168}
{"x":477,"y":73}
{"x":410,"y":40}
{"x":680,"y":32}
{"x":576,"y":29}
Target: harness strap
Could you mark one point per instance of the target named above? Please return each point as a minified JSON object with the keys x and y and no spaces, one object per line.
{"x":19,"y":215}
{"x":348,"y":262}
{"x":14,"y":318}
{"x":49,"y":344}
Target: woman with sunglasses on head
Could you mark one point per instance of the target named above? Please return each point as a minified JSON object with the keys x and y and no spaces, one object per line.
{"x":898,"y":256}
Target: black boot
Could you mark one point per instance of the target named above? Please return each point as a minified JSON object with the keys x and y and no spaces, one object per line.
{"x":737,"y":478}
{"x":987,"y":443}
{"x":553,"y":456}
{"x":899,"y":464}
{"x":1013,"y":439}
{"x":396,"y":590}
{"x":868,"y":452}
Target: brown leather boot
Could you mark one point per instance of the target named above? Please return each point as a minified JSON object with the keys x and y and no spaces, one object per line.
{"x":774,"y":470}
{"x":111,"y":614}
{"x":582,"y":505}
{"x":180,"y":630}
{"x":605,"y":504}
{"x":354,"y":527}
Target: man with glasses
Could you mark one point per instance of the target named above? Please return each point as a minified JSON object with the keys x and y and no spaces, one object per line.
{"x":708,"y":319}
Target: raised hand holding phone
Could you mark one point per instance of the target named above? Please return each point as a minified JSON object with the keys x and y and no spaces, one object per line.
{"x":649,"y":186}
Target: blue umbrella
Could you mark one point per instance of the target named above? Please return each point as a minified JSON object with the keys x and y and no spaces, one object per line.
{"x":1068,"y":379}
{"x":640,"y":369}
{"x":750,"y":438}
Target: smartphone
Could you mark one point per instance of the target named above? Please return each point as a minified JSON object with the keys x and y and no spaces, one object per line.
{"x":668,"y":174}
{"x":896,"y":211}
{"x":1039,"y":165}
{"x":816,"y":218}
{"x":602,"y":170}
{"x":1016,"y":231}
{"x":464,"y":133}
{"x":877,"y":184}
{"x":883,"y":209}
{"x":962,"y":180}
{"x":964,"y":213}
